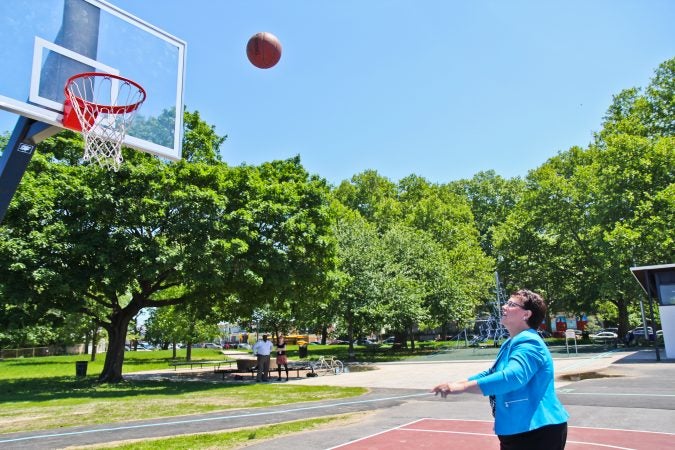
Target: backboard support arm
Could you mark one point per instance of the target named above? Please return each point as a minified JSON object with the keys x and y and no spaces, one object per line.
{"x":16,"y":156}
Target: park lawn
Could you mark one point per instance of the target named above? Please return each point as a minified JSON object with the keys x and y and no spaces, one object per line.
{"x":54,"y":366}
{"x":235,"y":438}
{"x":58,"y":403}
{"x":43,"y":393}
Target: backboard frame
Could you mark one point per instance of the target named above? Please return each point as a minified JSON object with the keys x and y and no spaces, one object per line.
{"x":28,"y":102}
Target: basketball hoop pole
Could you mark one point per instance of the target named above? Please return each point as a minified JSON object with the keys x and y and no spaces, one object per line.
{"x":16,"y":156}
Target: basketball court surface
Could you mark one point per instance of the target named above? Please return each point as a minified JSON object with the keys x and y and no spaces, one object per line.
{"x":453,"y":434}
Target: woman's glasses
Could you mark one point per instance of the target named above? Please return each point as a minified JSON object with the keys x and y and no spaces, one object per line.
{"x":512,"y":304}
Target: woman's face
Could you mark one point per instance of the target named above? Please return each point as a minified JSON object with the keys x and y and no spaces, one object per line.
{"x":514,"y":313}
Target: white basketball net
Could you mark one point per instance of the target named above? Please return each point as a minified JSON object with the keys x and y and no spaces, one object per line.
{"x":105,"y":106}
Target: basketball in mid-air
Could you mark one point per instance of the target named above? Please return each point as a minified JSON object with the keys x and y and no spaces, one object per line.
{"x":263,"y":50}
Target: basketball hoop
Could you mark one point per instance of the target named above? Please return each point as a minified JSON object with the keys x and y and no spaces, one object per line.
{"x":101,"y":106}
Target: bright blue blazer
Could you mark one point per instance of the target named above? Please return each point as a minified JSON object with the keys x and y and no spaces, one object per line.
{"x":522,"y":382}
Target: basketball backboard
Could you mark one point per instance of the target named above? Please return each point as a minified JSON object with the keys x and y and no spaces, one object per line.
{"x":44,"y":42}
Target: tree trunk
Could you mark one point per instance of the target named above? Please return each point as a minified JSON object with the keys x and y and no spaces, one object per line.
{"x":86,"y":343}
{"x":188,"y":353}
{"x":324,"y":334}
{"x":624,"y":326}
{"x":117,"y":334}
{"x":350,"y":335}
{"x":94,"y":343}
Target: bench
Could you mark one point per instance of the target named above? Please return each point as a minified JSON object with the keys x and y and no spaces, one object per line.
{"x":244,"y":365}
{"x":201,"y":363}
{"x":296,"y":366}
{"x":250,"y":366}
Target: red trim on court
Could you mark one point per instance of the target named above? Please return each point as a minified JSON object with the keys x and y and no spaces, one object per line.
{"x":451,"y":434}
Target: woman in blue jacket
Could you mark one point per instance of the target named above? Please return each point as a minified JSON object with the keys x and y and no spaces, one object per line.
{"x":527,"y":412}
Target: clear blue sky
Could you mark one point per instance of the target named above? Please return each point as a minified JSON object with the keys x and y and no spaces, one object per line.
{"x":438,"y":88}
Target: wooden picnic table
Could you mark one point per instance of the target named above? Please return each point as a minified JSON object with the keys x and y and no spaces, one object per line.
{"x":248,"y":366}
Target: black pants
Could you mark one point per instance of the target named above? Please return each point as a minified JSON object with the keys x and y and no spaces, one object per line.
{"x":550,"y":437}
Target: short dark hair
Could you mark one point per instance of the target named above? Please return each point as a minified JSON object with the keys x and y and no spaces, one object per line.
{"x":532,"y":302}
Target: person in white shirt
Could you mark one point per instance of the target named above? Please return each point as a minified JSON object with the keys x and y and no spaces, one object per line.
{"x":262,"y":350}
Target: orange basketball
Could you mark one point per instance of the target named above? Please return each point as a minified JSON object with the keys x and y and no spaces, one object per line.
{"x":263,"y":50}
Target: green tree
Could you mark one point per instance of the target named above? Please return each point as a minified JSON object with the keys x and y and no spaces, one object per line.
{"x":587,"y":215}
{"x":373,"y":196}
{"x":491,"y":198}
{"x":79,"y":239}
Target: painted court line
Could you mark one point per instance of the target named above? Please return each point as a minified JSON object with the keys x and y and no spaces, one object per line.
{"x":376,"y":434}
{"x":205,"y":419}
{"x":612,"y":394}
{"x":595,"y":444}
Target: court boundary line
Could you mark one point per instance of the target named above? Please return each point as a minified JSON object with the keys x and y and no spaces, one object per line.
{"x":612,"y":394}
{"x":203,"y":419}
{"x":569,"y":426}
{"x":374,"y":434}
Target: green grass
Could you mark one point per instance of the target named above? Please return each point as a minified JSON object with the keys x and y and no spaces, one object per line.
{"x":230,"y":439}
{"x":43,"y":393}
{"x":64,"y":402}
{"x":58,"y":366}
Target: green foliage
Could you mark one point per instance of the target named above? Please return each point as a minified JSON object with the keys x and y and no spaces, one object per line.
{"x":491,"y":198}
{"x":225,"y":243}
{"x":410,"y":255}
{"x":588,"y":215}
{"x":78,"y":239}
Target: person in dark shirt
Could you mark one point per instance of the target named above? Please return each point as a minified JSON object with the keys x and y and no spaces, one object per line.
{"x":282,"y":358}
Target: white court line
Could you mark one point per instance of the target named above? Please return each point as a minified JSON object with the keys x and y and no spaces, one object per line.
{"x":613,"y":394}
{"x":625,"y":429}
{"x":206,"y":419}
{"x":375,"y":434}
{"x":595,"y":444}
{"x":469,"y":433}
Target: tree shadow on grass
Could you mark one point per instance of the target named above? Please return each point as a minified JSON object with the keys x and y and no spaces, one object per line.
{"x":56,"y":388}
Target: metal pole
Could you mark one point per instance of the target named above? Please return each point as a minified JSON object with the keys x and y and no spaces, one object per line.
{"x":651,"y":310}
{"x":16,"y":156}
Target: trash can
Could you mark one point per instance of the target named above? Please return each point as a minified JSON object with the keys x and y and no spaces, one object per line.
{"x":81,"y":368}
{"x":302,"y":351}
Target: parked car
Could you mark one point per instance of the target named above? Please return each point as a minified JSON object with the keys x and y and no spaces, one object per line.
{"x":365,"y":342}
{"x":611,"y":330}
{"x":210,"y":345}
{"x":389,"y":340}
{"x":339,"y":342}
{"x":604,"y":336}
{"x":640,"y":331}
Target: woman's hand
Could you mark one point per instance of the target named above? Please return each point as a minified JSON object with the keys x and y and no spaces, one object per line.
{"x":448,"y":388}
{"x":457,"y":387}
